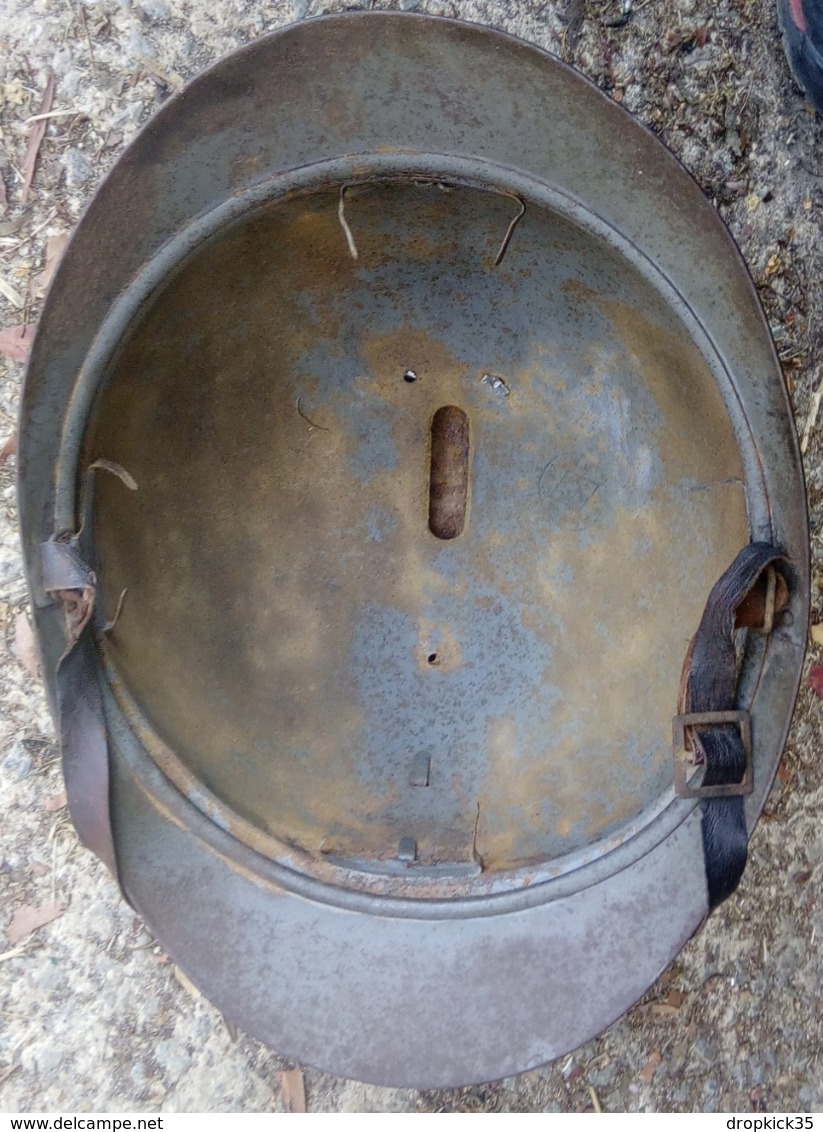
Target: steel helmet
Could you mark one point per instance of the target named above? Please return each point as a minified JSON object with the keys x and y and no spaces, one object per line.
{"x":404,"y":455}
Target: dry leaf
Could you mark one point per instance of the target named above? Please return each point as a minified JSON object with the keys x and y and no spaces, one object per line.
{"x":816,"y":633}
{"x":650,"y":1068}
{"x":29,"y":918}
{"x":38,"y":132}
{"x":293,"y":1090}
{"x":51,"y":805}
{"x":12,"y":227}
{"x":15,"y":341}
{"x":185,"y":982}
{"x":112,"y":139}
{"x":8,"y":449}
{"x":25,"y":644}
{"x":13,"y":296}
{"x":168,"y":78}
{"x":815,"y":680}
{"x":55,"y":246}
{"x":670,"y":1004}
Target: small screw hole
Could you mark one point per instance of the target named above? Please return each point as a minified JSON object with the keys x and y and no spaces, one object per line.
{"x":410,"y":376}
{"x":433,"y":658}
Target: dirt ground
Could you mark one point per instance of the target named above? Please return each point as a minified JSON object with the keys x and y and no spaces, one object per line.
{"x":93,"y":1016}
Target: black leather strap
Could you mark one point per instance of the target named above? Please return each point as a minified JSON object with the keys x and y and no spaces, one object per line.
{"x":709,"y":685}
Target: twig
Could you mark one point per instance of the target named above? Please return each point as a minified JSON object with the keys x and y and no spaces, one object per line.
{"x":6,"y":1073}
{"x":811,"y":419}
{"x":88,"y":37}
{"x":34,"y":232}
{"x":595,"y":1099}
{"x":308,"y":420}
{"x":341,"y":216}
{"x":54,"y":869}
{"x":293,"y":1089}
{"x":15,"y":953}
{"x":35,"y":140}
{"x":51,"y":114}
{"x":510,"y":229}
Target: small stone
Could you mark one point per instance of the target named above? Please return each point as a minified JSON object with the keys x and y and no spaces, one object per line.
{"x":77,"y":167}
{"x":705,"y":1051}
{"x":602,"y":1076}
{"x":172,"y":1058}
{"x":17,"y":764}
{"x":138,"y":47}
{"x":814,"y":851}
{"x":48,"y":977}
{"x":41,"y":1058}
{"x":711,"y":1095}
{"x":156,"y":10}
{"x":357,"y":1097}
{"x":11,"y":566}
{"x":71,"y":81}
{"x":62,"y":60}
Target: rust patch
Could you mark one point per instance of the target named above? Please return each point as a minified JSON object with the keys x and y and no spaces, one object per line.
{"x":448,"y":472}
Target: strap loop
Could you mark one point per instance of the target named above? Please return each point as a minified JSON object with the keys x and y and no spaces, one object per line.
{"x":683,"y":788}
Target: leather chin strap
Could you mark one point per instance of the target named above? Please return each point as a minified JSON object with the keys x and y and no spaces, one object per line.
{"x":748,"y":595}
{"x":83,"y":741}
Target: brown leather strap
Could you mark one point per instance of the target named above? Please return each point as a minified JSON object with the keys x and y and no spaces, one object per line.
{"x":747,"y":595}
{"x":83,"y":742}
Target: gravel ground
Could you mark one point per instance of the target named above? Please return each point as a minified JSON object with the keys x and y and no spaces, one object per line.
{"x":93,"y":1016}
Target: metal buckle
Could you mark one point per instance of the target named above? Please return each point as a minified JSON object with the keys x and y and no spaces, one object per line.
{"x":681,"y":755}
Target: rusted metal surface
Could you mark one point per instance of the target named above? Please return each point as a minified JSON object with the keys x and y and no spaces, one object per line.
{"x":287,"y":660}
{"x":347,"y":723}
